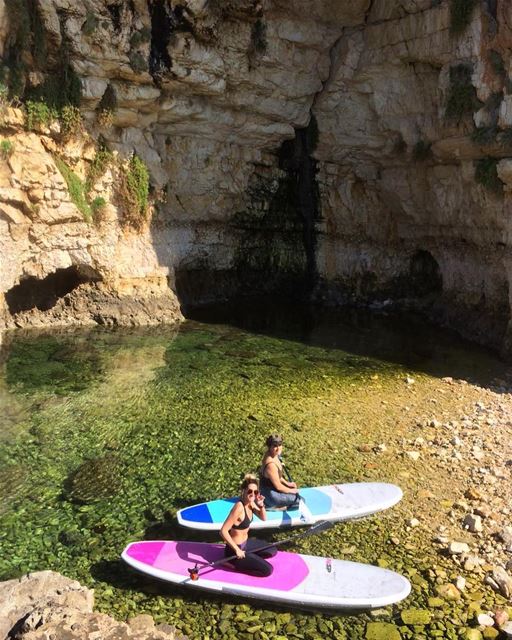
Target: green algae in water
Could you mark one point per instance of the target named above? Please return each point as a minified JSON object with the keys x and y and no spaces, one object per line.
{"x":50,"y":363}
{"x":165,"y":420}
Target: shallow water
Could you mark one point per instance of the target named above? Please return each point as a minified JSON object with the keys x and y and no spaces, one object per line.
{"x":104,"y":434}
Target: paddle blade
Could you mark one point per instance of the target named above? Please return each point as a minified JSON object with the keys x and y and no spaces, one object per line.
{"x":194,"y":573}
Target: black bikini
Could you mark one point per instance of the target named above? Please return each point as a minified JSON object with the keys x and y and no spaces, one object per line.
{"x":245,"y":524}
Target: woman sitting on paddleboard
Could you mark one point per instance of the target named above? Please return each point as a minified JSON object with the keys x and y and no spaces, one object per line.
{"x":235,"y":531}
{"x":278,"y":492}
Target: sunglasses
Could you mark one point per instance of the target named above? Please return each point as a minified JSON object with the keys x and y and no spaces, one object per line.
{"x":251,"y":492}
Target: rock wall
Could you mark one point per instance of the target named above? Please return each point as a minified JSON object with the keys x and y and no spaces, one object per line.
{"x":347,"y":151}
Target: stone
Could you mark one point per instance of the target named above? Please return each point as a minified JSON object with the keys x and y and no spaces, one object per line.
{"x":448,"y":591}
{"x":500,"y":581}
{"x":457,"y":548}
{"x":416,"y":616}
{"x":382,"y":631}
{"x":472,"y":523}
{"x":506,"y":629}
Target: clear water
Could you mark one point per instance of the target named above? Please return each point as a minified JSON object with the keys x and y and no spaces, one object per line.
{"x":104,"y":434}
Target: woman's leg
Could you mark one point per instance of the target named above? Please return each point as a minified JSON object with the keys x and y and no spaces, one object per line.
{"x":254,"y":544}
{"x":278,"y":500}
{"x":253,"y":563}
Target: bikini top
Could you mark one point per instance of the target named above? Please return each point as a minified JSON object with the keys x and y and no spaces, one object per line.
{"x":245,"y":524}
{"x":267,"y":482}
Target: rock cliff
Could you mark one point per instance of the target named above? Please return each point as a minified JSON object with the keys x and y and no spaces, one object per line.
{"x":344,"y":150}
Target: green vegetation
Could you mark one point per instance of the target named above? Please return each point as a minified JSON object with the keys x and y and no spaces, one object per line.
{"x":106,"y":107}
{"x":134,"y":191}
{"x":4,"y":94}
{"x":71,"y":122}
{"x":422,"y":151}
{"x":75,"y":187}
{"x":460,"y":15}
{"x":505,"y":138}
{"x":6,"y":149}
{"x":496,"y":62}
{"x":39,"y":114}
{"x":462,"y":98}
{"x":100,"y":163}
{"x":91,"y":23}
{"x":52,"y":364}
{"x":98,"y":206}
{"x":486,"y":174}
{"x":484,"y":135}
{"x":259,"y":41}
{"x":137,"y":61}
{"x":140,"y":37}
{"x":59,"y":89}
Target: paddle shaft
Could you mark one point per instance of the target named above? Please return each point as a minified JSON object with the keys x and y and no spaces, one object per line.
{"x":288,"y":476}
{"x":323,"y":525}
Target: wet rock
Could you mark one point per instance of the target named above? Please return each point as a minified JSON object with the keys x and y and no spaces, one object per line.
{"x":485,"y":620}
{"x":382,"y":631}
{"x":501,"y":616}
{"x":448,"y":591}
{"x":416,"y":616}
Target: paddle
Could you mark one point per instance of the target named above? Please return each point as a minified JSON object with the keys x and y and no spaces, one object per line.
{"x":288,"y":476}
{"x":323,"y":525}
{"x":306,"y":514}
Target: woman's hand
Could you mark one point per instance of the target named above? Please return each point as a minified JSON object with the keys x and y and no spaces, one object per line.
{"x":292,"y":485}
{"x":260,"y":501}
{"x":240,"y":553}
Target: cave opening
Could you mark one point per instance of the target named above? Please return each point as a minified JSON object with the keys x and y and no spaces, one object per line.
{"x":161,"y":30}
{"x":425,"y":276}
{"x":43,"y":294}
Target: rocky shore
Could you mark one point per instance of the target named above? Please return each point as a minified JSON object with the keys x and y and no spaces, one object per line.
{"x":48,"y":606}
{"x":459,"y":503}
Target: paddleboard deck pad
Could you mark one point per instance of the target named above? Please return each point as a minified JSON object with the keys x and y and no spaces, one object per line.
{"x":296,"y":579}
{"x":333,"y":503}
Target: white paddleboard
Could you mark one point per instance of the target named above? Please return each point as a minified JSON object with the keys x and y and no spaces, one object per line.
{"x":296,"y":579}
{"x":333,"y":502}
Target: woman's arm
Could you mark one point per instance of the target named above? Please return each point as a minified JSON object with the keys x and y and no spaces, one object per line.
{"x":259,"y":509}
{"x":234,"y":517}
{"x":279,"y":484}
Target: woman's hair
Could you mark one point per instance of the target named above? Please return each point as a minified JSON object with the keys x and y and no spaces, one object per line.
{"x":249,"y":478}
{"x":274,"y":440}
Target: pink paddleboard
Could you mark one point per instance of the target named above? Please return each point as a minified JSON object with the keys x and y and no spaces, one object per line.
{"x":296,"y":579}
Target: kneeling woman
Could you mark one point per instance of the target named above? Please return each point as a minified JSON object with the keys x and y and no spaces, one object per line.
{"x":235,"y":531}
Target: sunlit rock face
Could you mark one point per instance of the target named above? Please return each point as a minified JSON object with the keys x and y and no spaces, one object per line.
{"x":325,"y":148}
